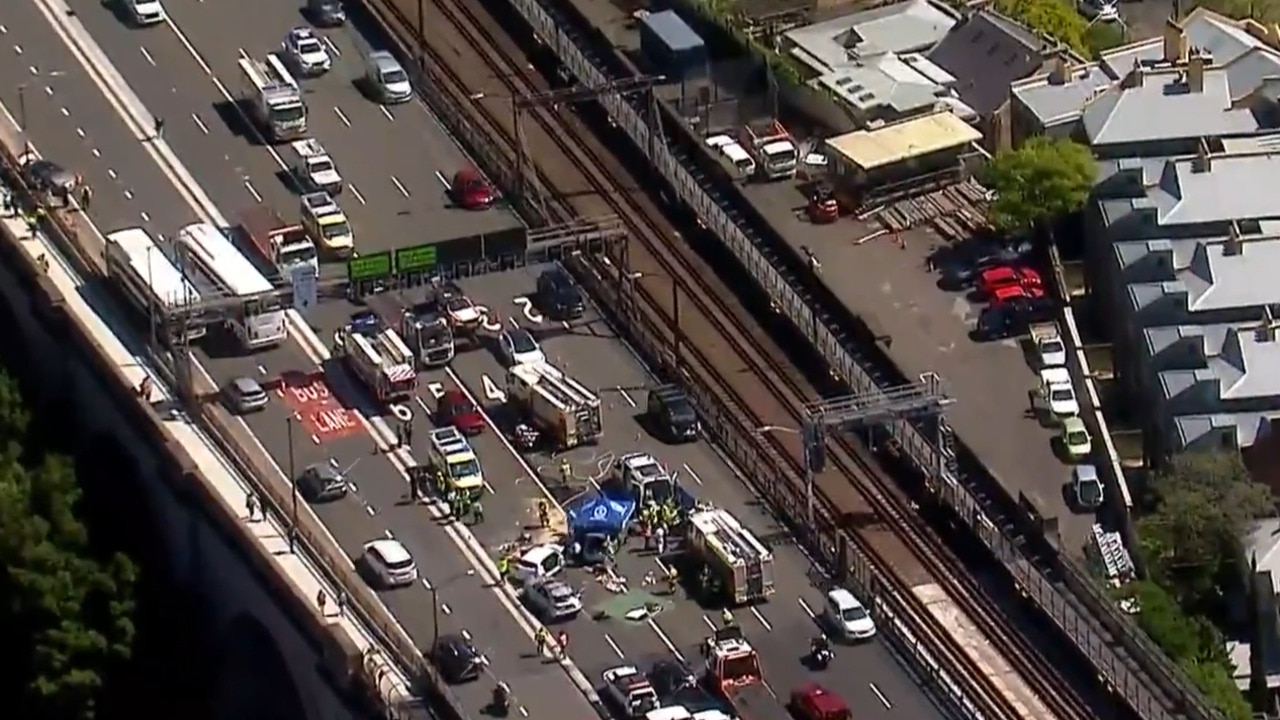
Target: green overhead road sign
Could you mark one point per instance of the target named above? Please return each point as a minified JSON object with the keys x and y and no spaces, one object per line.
{"x":416,"y":259}
{"x":374,"y":266}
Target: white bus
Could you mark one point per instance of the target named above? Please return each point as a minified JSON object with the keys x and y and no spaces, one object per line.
{"x":213,"y":252}
{"x":147,"y":276}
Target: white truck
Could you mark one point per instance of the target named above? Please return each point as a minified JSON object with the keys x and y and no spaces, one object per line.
{"x":558,"y":405}
{"x":314,"y":167}
{"x":273,"y":99}
{"x":1051,"y":351}
{"x":775,"y":152}
{"x":383,"y":362}
{"x":279,"y":242}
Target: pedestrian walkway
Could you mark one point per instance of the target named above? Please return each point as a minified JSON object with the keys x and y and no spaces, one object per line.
{"x":230,"y":490}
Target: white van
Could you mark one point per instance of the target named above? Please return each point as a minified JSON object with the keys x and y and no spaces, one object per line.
{"x":740,"y":158}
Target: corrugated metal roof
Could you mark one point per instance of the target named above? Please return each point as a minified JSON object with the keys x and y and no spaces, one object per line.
{"x":870,"y":149}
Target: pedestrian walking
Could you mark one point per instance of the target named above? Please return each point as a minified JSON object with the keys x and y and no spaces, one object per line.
{"x":661,"y":536}
{"x":86,"y":197}
{"x":726,"y":617}
{"x":251,"y":506}
{"x":408,"y":434}
{"x":159,"y":128}
{"x":544,"y":515}
{"x":562,"y":645}
{"x":342,"y":603}
{"x":322,"y":601}
{"x":540,"y":641}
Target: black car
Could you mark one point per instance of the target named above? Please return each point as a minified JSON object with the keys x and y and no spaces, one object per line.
{"x":322,"y":482}
{"x":559,"y":297}
{"x":457,"y":659}
{"x":672,"y":415}
{"x":326,"y":13}
{"x":48,"y":176}
{"x":670,"y":676}
{"x":998,"y":322}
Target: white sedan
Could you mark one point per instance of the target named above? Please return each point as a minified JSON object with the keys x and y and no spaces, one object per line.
{"x":1059,"y":392}
{"x":518,"y":347}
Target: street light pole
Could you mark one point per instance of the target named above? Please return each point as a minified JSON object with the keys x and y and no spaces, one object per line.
{"x":435,"y":603}
{"x":293,"y":480}
{"x":422,"y":37}
{"x":22,"y":119}
{"x":805,"y":460}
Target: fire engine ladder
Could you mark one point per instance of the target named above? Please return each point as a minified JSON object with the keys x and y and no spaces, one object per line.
{"x":734,"y":539}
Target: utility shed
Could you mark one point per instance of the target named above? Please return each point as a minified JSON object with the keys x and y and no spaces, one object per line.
{"x":672,"y":46}
{"x":902,"y":156}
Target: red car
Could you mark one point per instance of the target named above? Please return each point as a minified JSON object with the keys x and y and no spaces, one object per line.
{"x":1003,"y":276}
{"x":1006,"y":293}
{"x":471,"y":191}
{"x":456,"y":409}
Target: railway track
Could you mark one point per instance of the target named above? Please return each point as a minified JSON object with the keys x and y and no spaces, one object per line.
{"x":721,"y":347}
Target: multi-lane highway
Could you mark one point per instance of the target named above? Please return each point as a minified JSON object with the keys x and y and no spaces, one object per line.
{"x":70,"y":120}
{"x":397,"y":161}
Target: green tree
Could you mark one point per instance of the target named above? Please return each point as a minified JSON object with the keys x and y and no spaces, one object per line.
{"x":1053,"y":17}
{"x":67,"y":610}
{"x":1204,"y":504}
{"x":1043,"y":180}
{"x":1101,"y":37}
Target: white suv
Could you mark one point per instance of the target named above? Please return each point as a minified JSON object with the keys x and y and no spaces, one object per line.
{"x":390,"y":563}
{"x":145,"y":12}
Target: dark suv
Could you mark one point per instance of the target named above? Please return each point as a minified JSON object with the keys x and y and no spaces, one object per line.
{"x":559,"y":297}
{"x":326,"y":13}
{"x":671,"y":415}
{"x":323,"y":483}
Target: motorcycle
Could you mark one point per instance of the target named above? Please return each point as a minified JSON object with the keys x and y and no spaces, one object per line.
{"x":820,"y":655}
{"x":501,"y":699}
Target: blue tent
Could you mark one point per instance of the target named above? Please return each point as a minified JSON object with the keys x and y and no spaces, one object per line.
{"x":599,"y":514}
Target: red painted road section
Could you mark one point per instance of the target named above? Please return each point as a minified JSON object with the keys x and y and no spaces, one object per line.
{"x":314,"y":404}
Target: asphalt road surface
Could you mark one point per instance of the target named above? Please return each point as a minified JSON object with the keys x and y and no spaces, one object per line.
{"x":70,"y":120}
{"x":397,"y":161}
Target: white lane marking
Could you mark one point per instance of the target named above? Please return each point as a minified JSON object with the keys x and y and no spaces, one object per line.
{"x":112,"y":174}
{"x":96,"y":153}
{"x":356,"y":192}
{"x":65,"y":112}
{"x":147,"y":55}
{"x":341,"y":116}
{"x":692,"y":474}
{"x":880,"y":695}
{"x":252,"y":191}
{"x":128,"y":194}
{"x":426,"y":583}
{"x":243,"y":55}
{"x":760,"y":617}
{"x":34,"y":70}
{"x":145,"y":217}
{"x":444,"y":608}
{"x":399,"y":186}
{"x":48,"y":90}
{"x":17,"y":49}
{"x":707,"y":621}
{"x":200,"y":123}
{"x":807,"y":610}
{"x":666,"y":640}
{"x":119,"y":94}
{"x":443,"y":180}
{"x":388,"y":534}
{"x":80,"y":133}
{"x":4,"y":30}
{"x":333,"y":48}
{"x":616,"y":650}
{"x":626,"y":396}
{"x":387,"y":113}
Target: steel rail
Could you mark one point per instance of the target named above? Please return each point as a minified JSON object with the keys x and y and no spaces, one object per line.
{"x":679,"y":265}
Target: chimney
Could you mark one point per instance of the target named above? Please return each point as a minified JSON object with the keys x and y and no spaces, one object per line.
{"x":1203,"y":161}
{"x":1059,"y":73}
{"x":1232,"y":247}
{"x":1175,"y":42}
{"x":1266,"y":330}
{"x":1196,"y":65}
{"x":1134,"y":78}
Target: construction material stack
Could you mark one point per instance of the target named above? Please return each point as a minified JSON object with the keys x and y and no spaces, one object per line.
{"x":273,"y":99}
{"x":773,"y":148}
{"x":382,"y":362}
{"x":283,"y":244}
{"x":562,"y":408}
{"x":727,"y":558}
{"x":456,"y":464}
{"x":314,"y":168}
{"x":733,"y":670}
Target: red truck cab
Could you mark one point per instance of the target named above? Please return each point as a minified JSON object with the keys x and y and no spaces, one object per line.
{"x":812,"y":701}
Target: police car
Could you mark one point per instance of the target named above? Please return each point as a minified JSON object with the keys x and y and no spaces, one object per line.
{"x":308,"y":53}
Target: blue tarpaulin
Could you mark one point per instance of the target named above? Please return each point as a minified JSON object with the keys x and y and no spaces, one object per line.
{"x":598,"y":513}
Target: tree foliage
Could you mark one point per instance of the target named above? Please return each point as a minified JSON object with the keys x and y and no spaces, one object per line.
{"x":1192,"y":642}
{"x":1204,"y":504}
{"x":67,"y":610}
{"x":1045,"y":179}
{"x":1053,"y":17}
